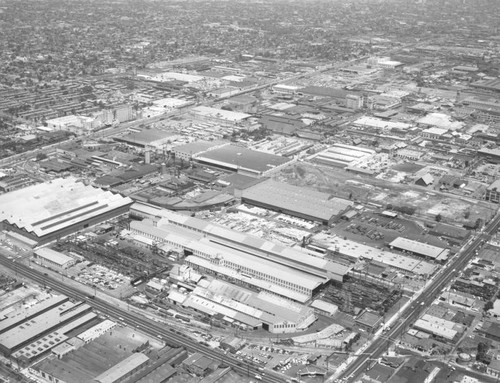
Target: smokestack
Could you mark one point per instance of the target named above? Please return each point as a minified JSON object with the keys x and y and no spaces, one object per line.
{"x":147,"y":156}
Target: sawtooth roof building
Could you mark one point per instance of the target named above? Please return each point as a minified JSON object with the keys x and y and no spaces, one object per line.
{"x":58,"y":208}
{"x":265,"y":265}
{"x":49,"y":319}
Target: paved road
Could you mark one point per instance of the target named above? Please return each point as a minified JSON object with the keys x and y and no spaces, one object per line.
{"x":447,"y":273}
{"x":169,"y":335}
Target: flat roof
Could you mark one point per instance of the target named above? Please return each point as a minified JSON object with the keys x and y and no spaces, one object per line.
{"x":197,"y":147}
{"x":236,"y":157}
{"x":169,"y":76}
{"x":117,"y":372}
{"x":358,"y":250}
{"x":53,"y":256}
{"x":259,"y":283}
{"x":220,"y":113}
{"x":492,"y":152}
{"x":440,"y":120}
{"x":292,"y":257}
{"x":436,"y":329}
{"x":19,"y":316}
{"x":170,"y":102}
{"x":57,"y":204}
{"x":185,"y":238}
{"x":264,"y":305}
{"x":297,"y":199}
{"x":369,"y":318}
{"x":381,"y":124}
{"x":344,"y":154}
{"x":49,"y":319}
{"x":437,"y":131}
{"x":420,"y":248}
{"x":259,"y":265}
{"x":324,"y":306}
{"x":91,"y":359}
{"x":51,"y":340}
{"x":146,"y":137}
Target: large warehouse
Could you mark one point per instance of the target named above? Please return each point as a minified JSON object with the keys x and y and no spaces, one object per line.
{"x":244,"y":161}
{"x":27,"y":331}
{"x":296,"y":201}
{"x":233,"y":241}
{"x":292,"y":257}
{"x":57,"y":208}
{"x":281,"y":276}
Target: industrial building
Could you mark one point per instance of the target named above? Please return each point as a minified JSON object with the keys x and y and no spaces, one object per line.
{"x":105,"y":357}
{"x":58,"y":208}
{"x":372,"y":123}
{"x":243,"y":161}
{"x":53,"y":259}
{"x":221,"y":116}
{"x":354,"y":251}
{"x":493,"y":192}
{"x":296,"y":201}
{"x":21,"y":330}
{"x":124,"y":369}
{"x":29,"y":313}
{"x":490,"y":155}
{"x":238,"y":264}
{"x":246,"y":308}
{"x":291,"y":257}
{"x":440,"y":328}
{"x":148,"y":137}
{"x":342,"y":155}
{"x":187,"y":151}
{"x":425,"y":250}
{"x":42,"y":346}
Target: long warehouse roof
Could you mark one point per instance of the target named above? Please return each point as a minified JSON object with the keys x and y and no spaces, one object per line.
{"x":420,"y":248}
{"x":298,"y":199}
{"x":244,"y":242}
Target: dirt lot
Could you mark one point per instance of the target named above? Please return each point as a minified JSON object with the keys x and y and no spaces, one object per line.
{"x":428,"y":203}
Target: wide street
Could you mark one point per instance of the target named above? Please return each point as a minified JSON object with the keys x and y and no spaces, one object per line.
{"x":423,"y":301}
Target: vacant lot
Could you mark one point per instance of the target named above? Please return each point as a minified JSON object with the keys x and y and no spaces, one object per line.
{"x":427,"y":203}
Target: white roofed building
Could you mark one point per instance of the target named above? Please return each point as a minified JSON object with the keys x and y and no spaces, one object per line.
{"x":53,"y":259}
{"x":423,"y":249}
{"x":57,"y":208}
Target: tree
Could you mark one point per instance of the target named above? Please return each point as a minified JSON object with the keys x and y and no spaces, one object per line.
{"x":488,"y":306}
{"x":41,"y":156}
{"x":438,"y":218}
{"x":482,"y":353}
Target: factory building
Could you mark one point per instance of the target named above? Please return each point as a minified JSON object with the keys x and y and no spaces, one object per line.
{"x":243,"y":161}
{"x":27,"y":314}
{"x":425,"y":250}
{"x":53,"y":259}
{"x":240,"y":265}
{"x":296,"y":201}
{"x":493,"y":192}
{"x":123,"y":370}
{"x":58,"y":208}
{"x":40,"y":325}
{"x":249,"y":309}
{"x":291,"y":257}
